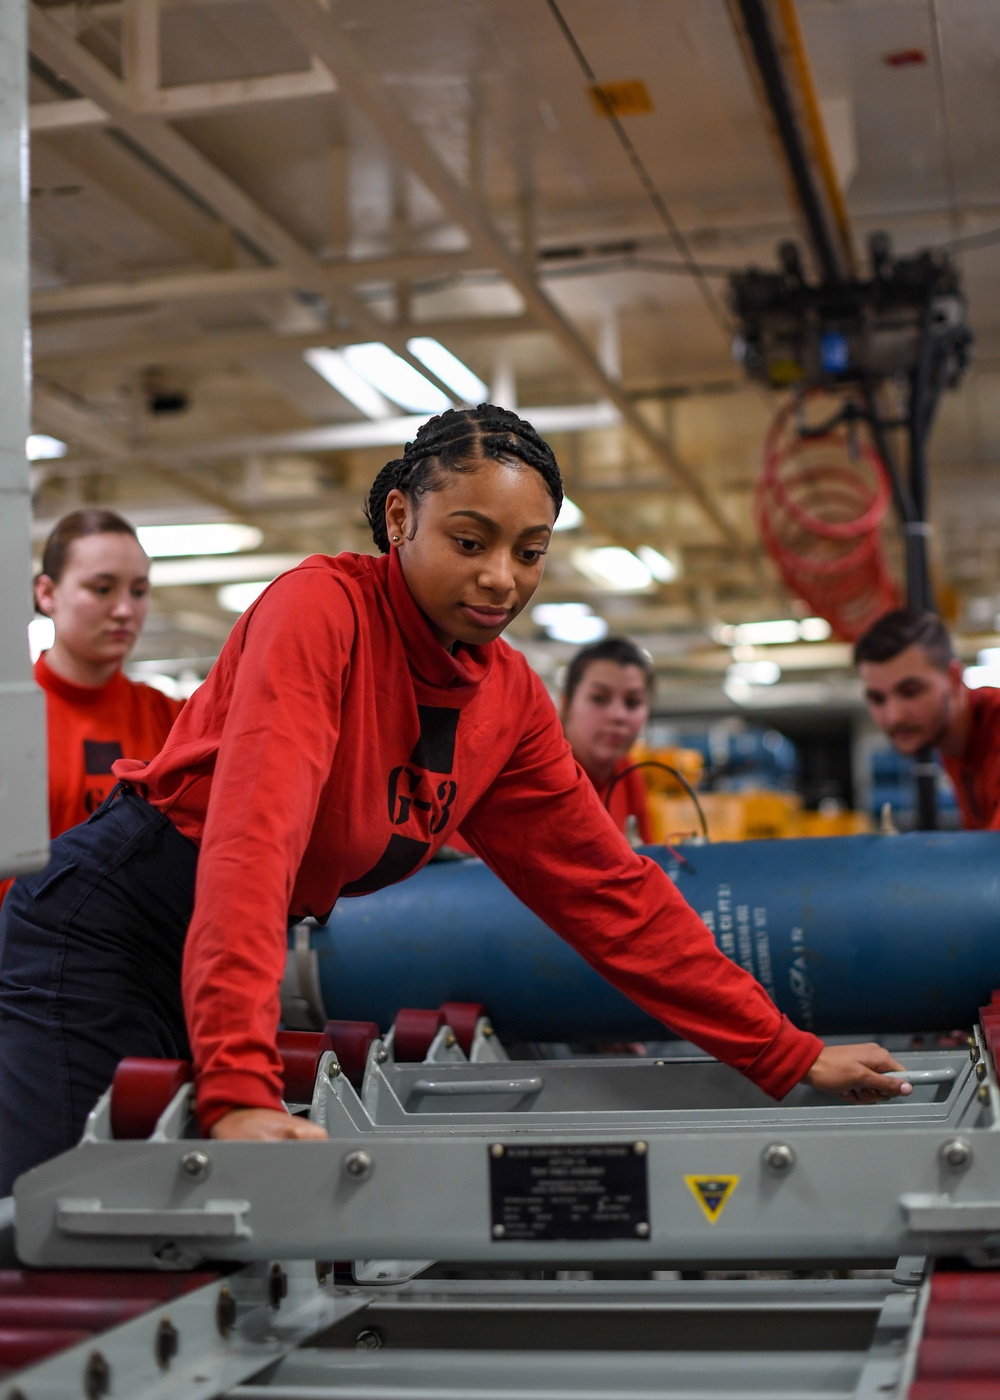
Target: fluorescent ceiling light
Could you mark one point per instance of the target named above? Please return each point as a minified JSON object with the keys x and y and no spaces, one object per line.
{"x":976,"y":676}
{"x":333,"y":367}
{"x":579,"y":631}
{"x":814,"y":629}
{"x":547,"y":614}
{"x":237,"y":597}
{"x":661,"y":566}
{"x":570,"y":622}
{"x":758,"y":634}
{"x":449,"y":369}
{"x":42,"y":448}
{"x":611,"y":566}
{"x":41,"y":635}
{"x":392,"y":376}
{"x":781,"y":632}
{"x":220,"y":568}
{"x":570,"y":516}
{"x":220,"y":537}
{"x":754,"y":672}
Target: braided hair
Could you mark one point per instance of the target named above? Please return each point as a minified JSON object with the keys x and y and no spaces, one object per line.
{"x":452,"y":442}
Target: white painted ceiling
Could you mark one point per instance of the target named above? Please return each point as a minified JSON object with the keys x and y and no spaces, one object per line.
{"x":195,"y":228}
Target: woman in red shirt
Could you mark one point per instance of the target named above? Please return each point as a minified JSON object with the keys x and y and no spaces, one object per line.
{"x":361,"y":710}
{"x":94,"y":585}
{"x":605,"y":705}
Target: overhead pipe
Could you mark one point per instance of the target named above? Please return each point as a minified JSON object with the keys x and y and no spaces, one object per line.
{"x":772,"y":40}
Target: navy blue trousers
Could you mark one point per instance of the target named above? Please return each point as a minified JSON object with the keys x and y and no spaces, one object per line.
{"x":90,"y":965}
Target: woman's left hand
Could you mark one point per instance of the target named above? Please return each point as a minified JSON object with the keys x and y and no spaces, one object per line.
{"x":857,"y":1072}
{"x":265,"y":1125}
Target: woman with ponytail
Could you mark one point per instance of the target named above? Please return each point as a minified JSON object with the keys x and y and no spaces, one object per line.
{"x":361,"y":710}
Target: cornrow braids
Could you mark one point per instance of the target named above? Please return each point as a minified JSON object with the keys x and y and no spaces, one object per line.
{"x":450,"y":442}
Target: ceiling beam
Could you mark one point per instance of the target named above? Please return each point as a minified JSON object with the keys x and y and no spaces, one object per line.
{"x":61,"y":53}
{"x":185,"y":164}
{"x":66,"y":417}
{"x":189,"y":99}
{"x":335,"y":437}
{"x":211,"y":351}
{"x":360,"y":82}
{"x":244,"y":281}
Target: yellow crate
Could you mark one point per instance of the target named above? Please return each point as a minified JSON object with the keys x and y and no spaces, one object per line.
{"x":755,"y":815}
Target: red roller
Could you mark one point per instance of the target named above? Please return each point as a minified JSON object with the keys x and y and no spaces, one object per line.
{"x":960,"y":1358}
{"x":350,"y":1040}
{"x":953,"y":1390}
{"x":300,"y":1053}
{"x":977,"y":1289}
{"x":415,"y":1029}
{"x":462,"y":1016}
{"x":965,"y":1319}
{"x":89,"y":1283}
{"x":90,"y":1314}
{"x":141,"y":1090}
{"x":23,"y":1346}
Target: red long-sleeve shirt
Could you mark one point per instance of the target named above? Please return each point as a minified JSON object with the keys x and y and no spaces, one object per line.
{"x":975,"y":772}
{"x":334,"y":747}
{"x":87,"y":729}
{"x":628,"y":798}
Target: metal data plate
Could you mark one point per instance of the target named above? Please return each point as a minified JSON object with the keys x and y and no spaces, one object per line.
{"x":569,"y":1191}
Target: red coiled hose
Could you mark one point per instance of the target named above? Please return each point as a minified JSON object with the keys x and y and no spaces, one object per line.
{"x":819,"y":506}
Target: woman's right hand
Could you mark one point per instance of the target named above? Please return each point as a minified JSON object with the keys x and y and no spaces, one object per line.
{"x":264,"y":1125}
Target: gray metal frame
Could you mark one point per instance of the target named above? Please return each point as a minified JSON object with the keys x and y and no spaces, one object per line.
{"x":818,"y":1180}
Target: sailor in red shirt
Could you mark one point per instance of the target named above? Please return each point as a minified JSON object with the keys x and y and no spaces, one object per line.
{"x":360,"y":711}
{"x":604,"y":706}
{"x":915,"y":692}
{"x":94,"y":585}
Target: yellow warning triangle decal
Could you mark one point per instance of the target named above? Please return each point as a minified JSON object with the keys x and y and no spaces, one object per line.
{"x":712,"y":1193}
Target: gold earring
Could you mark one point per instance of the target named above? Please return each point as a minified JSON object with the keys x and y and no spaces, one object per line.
{"x":395,"y":539}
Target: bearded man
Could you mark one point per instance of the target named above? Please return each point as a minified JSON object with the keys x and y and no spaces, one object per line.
{"x":914,"y":689}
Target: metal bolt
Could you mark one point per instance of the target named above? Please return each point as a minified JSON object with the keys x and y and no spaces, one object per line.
{"x":166,"y":1343}
{"x":488,"y":1029}
{"x":496,"y":1149}
{"x":196,"y":1165}
{"x":333,"y":1070}
{"x":324,"y":1268}
{"x":277,"y":1285}
{"x":498,"y":1232}
{"x":659,"y":1063}
{"x":642,"y":1229}
{"x":225,"y":1311}
{"x":96,"y":1376}
{"x":381,"y":1055}
{"x":983,"y":1093}
{"x":778,"y":1157}
{"x":981,"y":1071}
{"x":974,"y":1051}
{"x":449,"y":1039}
{"x":640,"y":1148}
{"x":368,"y":1340}
{"x":956,"y":1154}
{"x":358,"y":1165}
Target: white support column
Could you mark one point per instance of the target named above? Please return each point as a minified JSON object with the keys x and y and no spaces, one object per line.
{"x":24,"y":825}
